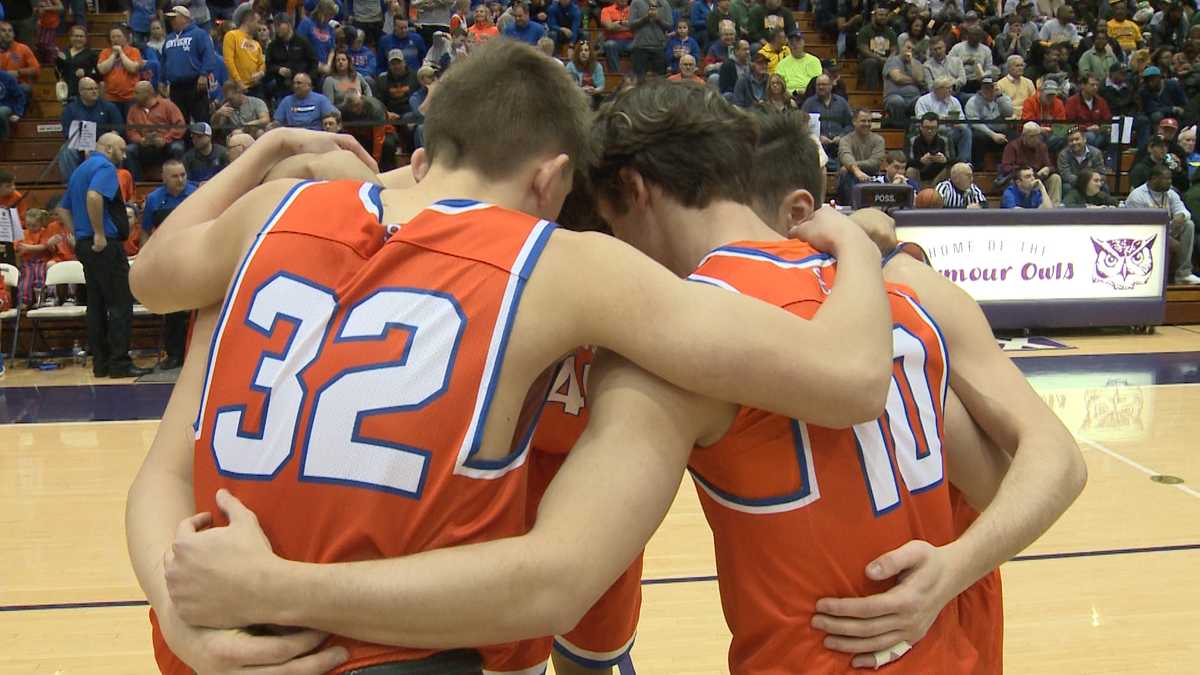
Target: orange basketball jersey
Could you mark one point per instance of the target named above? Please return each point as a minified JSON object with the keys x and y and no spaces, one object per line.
{"x":350,"y":380}
{"x":605,"y":634}
{"x":797,"y":511}
{"x":981,"y":606}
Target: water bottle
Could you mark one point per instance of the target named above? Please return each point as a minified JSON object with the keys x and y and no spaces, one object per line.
{"x":79,"y":354}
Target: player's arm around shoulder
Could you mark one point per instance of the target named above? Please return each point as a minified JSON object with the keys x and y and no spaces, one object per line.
{"x":1048,"y":471}
{"x":187,"y":268}
{"x":719,"y":344}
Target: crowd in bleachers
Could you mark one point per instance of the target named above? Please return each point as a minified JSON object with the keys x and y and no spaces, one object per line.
{"x":1025,"y":88}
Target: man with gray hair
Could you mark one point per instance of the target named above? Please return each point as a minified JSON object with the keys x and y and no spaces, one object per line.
{"x":940,"y":64}
{"x":939,"y":100}
{"x":1014,"y":84}
{"x":960,"y":191}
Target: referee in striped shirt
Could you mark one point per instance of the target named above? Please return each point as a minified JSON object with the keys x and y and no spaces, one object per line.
{"x":960,"y":191}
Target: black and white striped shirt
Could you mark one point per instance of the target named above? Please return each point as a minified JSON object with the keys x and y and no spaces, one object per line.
{"x":952,"y":198}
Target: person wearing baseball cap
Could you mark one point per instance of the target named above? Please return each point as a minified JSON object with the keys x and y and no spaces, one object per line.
{"x":205,"y":158}
{"x":798,"y":68}
{"x":751,"y":91}
{"x":1161,"y":97}
{"x":1045,"y":106}
{"x":188,"y":57}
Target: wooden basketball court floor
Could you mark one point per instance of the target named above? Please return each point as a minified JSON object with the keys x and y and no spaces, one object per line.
{"x":1114,"y":587}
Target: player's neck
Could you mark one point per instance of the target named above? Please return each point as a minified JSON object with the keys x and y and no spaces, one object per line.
{"x":696,"y":232}
{"x":401,"y":206}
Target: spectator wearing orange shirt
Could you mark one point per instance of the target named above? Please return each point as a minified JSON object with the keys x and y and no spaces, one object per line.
{"x":1044,"y":109}
{"x":17,"y":58}
{"x":119,"y":66}
{"x":618,"y":37}
{"x":49,"y":16}
{"x":155,"y":131}
{"x":10,"y":197}
{"x":483,"y":29}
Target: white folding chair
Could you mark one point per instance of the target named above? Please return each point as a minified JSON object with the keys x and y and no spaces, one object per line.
{"x":12,"y":278}
{"x":66,"y":272}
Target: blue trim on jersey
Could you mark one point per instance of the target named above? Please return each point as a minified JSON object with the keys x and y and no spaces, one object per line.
{"x":903,"y":381}
{"x":457,"y":203}
{"x":356,"y":435}
{"x":375,"y":194}
{"x":593,"y":663}
{"x":237,"y":278}
{"x":281,"y":356}
{"x":770,"y":256}
{"x":937,"y":329}
{"x":523,"y":274}
{"x":804,"y":491}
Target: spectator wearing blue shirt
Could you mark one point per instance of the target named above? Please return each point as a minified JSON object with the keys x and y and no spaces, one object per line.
{"x":316,"y":29}
{"x":303,"y":108}
{"x":1026,"y":192}
{"x":681,"y":43}
{"x":362,"y":58}
{"x":188,"y":56}
{"x":159,"y":204}
{"x":89,"y":107}
{"x":12,"y":102}
{"x":140,"y":13}
{"x":402,"y":38}
{"x":522,"y":28}
{"x":94,"y":209}
{"x":562,"y":20}
{"x":699,"y":20}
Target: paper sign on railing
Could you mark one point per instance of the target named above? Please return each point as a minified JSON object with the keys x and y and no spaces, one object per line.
{"x":1122,"y":132}
{"x":82,"y":135}
{"x":10,"y":226}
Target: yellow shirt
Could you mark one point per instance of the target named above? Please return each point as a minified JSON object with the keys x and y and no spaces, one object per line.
{"x":243,"y":56}
{"x":1126,"y":33}
{"x":1017,"y":91}
{"x":773,"y":57}
{"x":797,"y":72}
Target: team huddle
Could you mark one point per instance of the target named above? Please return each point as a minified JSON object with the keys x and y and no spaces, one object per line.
{"x":421,"y":428}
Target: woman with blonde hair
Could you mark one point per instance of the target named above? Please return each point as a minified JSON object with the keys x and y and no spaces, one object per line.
{"x":777,"y":99}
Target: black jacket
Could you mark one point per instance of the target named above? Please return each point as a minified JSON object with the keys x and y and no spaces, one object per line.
{"x":295,"y":54}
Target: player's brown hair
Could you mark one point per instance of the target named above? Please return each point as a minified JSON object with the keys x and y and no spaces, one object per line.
{"x":785,"y":159}
{"x":683,"y":137}
{"x":503,"y":105}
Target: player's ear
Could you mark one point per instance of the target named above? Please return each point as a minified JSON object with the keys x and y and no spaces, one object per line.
{"x":420,"y":164}
{"x":637,"y":191}
{"x":797,"y":207}
{"x":551,"y":182}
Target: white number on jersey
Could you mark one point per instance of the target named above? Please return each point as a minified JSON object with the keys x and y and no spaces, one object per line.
{"x":567,"y":388}
{"x":335,"y":450}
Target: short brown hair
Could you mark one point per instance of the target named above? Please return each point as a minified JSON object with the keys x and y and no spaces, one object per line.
{"x":786,"y":159}
{"x":682,"y":136}
{"x":532,"y":101}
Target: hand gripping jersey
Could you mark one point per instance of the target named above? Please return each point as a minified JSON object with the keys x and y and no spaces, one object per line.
{"x":606,"y":633}
{"x":350,"y":380}
{"x":797,"y":511}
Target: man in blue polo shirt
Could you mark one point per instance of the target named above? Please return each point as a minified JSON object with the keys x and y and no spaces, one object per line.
{"x":94,"y":209}
{"x":303,"y":108}
{"x":522,"y":28}
{"x":1026,"y":192}
{"x":159,"y":204}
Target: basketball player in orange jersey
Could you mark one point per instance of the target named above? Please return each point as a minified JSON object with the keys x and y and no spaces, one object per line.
{"x":370,"y":396}
{"x":774,"y":480}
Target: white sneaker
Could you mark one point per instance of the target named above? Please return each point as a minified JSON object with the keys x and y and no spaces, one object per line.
{"x":1190,"y":280}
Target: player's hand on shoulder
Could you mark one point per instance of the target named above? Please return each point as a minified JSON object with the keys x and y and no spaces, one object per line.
{"x":289,"y":141}
{"x":877,"y":225}
{"x":880,"y":628}
{"x":830,"y":231}
{"x":333,"y":165}
{"x":214,"y":575}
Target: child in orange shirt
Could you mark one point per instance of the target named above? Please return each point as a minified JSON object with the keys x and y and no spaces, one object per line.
{"x":38,"y":250}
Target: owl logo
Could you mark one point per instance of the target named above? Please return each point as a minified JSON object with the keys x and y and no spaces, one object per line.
{"x":1123,"y":263}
